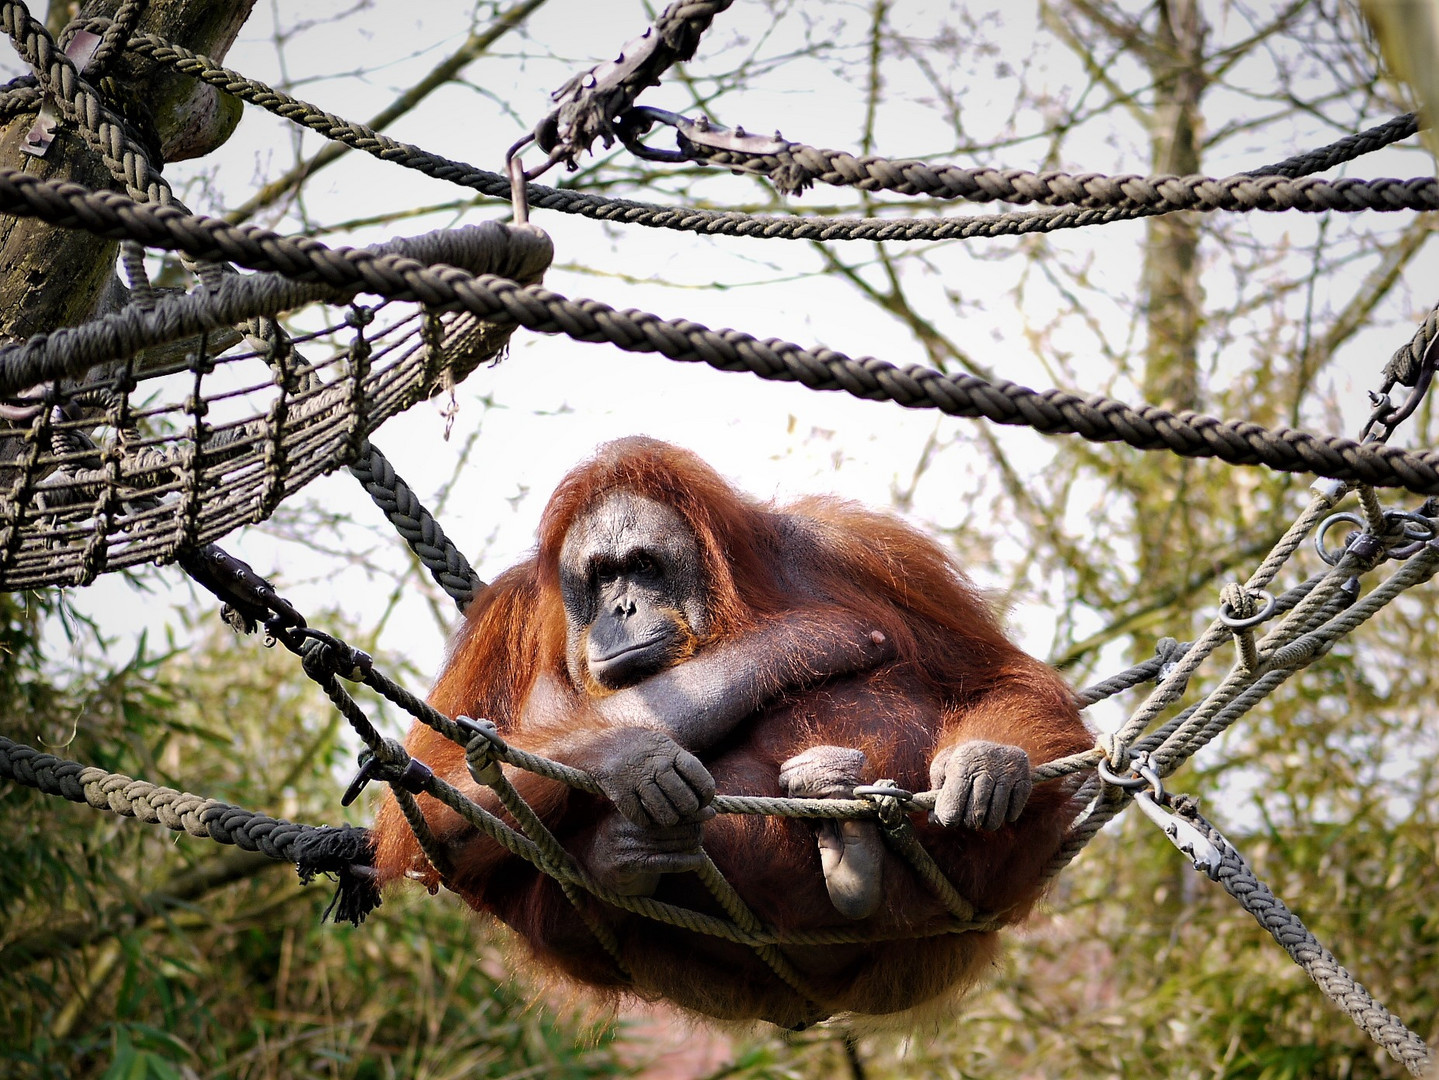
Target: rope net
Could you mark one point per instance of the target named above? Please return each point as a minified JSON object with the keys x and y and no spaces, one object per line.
{"x":177,"y":437}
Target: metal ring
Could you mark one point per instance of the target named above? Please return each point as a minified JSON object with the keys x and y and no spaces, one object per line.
{"x":1416,"y":526}
{"x":1109,"y":776}
{"x":878,"y":791}
{"x":1234,"y":622}
{"x":1332,"y":557}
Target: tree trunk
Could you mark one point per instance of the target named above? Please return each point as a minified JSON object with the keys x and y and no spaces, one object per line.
{"x":1172,"y":296}
{"x":52,"y":277}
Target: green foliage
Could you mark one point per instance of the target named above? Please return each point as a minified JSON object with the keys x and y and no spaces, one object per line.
{"x":242,"y":980}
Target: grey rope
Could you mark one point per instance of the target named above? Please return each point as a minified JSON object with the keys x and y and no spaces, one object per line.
{"x":176,"y":810}
{"x":1344,"y":150}
{"x":710,"y":222}
{"x":800,"y":165}
{"x":1096,"y":418}
{"x":1318,"y":963}
{"x":450,"y":569}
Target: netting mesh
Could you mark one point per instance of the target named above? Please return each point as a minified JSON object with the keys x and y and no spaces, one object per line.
{"x":178,"y":437}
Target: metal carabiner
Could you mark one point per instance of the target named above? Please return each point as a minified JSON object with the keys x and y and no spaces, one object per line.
{"x":1182,"y":834}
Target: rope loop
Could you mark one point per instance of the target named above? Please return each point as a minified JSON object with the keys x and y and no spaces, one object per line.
{"x":892,"y":802}
{"x":1115,"y":749}
{"x":483,"y":749}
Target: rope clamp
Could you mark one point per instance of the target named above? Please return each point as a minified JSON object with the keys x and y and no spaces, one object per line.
{"x":691,"y":135}
{"x":251,"y":598}
{"x":883,"y":791}
{"x":1405,"y":534}
{"x":1385,"y":414}
{"x":609,"y":86}
{"x":1416,"y":529}
{"x":413,"y":778}
{"x":483,"y":749}
{"x":891,"y":802}
{"x":486,"y":728}
{"x":1152,"y":804}
{"x":80,"y":49}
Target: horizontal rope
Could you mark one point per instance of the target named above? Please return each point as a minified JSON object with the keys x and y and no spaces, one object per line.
{"x":1166,"y":193}
{"x":712,"y":222}
{"x":1096,"y":418}
{"x":179,"y":811}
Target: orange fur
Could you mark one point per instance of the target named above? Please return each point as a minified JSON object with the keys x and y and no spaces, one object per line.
{"x":955,"y":677}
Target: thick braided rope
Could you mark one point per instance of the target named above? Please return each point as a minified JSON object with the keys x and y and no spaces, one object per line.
{"x":20,"y":96}
{"x":1096,"y":418}
{"x":71,"y":351}
{"x":151,"y":803}
{"x":1165,"y":193}
{"x":1342,"y":150}
{"x":1318,"y":963}
{"x":1403,"y":366}
{"x":103,"y":129}
{"x":112,"y":37}
{"x":709,"y":222}
{"x":450,"y":569}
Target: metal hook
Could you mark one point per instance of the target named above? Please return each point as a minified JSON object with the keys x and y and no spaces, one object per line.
{"x":520,"y":177}
{"x":1183,"y":834}
{"x":637,"y":122}
{"x":519,"y":193}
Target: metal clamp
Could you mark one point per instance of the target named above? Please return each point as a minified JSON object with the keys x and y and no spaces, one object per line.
{"x":1416,"y":529}
{"x":80,"y":50}
{"x":252,"y":599}
{"x":599,"y":83}
{"x":690,"y":134}
{"x":1152,"y":802}
{"x":1407,"y":532}
{"x":413,"y":777}
{"x":1385,"y":414}
{"x":482,"y":749}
